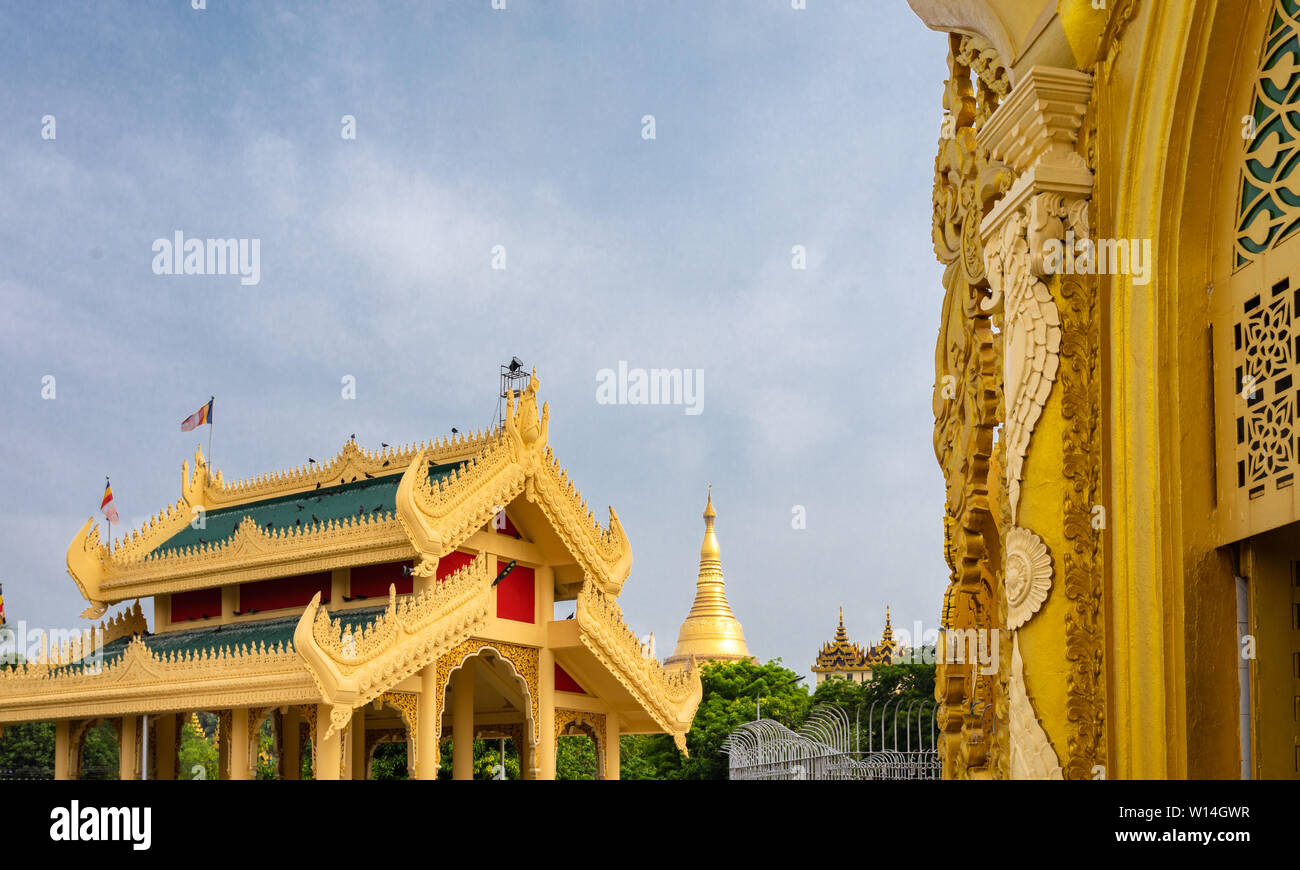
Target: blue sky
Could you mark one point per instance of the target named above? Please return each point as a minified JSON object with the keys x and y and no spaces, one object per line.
{"x":477,"y":128}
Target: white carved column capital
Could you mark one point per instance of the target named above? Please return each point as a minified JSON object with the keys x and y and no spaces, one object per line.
{"x":1035,"y":132}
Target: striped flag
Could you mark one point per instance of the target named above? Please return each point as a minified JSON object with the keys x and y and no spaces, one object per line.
{"x":106,"y":505}
{"x":199,"y":417}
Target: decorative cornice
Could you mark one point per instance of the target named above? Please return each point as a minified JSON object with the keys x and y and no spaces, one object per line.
{"x":670,"y":697}
{"x":440,"y":516}
{"x":104,"y":575}
{"x":352,"y":668}
{"x":141,"y":681}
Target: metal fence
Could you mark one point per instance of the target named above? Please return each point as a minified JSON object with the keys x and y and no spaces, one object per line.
{"x":829,"y":745}
{"x":19,"y":773}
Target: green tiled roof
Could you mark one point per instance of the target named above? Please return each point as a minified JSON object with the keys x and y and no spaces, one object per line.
{"x":262,"y":631}
{"x":300,"y":510}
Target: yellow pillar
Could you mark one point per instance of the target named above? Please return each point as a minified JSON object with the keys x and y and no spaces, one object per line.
{"x":357,"y":735}
{"x":239,"y":750}
{"x":62,"y":749}
{"x":462,"y":721}
{"x":290,"y":748}
{"x":527,"y":752}
{"x":544,"y":757}
{"x":128,"y":747}
{"x":427,"y":718}
{"x":612,"y":756}
{"x":329,"y":750}
{"x":164,"y":752}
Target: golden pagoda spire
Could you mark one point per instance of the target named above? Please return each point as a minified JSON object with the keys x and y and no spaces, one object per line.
{"x":710,"y":631}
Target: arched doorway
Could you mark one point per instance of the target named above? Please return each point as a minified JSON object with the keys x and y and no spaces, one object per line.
{"x":489,"y":690}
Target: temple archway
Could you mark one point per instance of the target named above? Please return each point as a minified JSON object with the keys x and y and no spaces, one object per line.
{"x":489,"y":689}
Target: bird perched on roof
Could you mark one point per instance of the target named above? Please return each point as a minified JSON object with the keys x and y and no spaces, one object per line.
{"x":571,"y":615}
{"x":311,"y":461}
{"x":382,"y":444}
{"x":455,"y":431}
{"x":314,"y":518}
{"x":318,"y":486}
{"x":368,"y":475}
{"x":352,"y":437}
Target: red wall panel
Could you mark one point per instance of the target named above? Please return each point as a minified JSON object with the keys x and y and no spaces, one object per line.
{"x":502,"y":525}
{"x":516,"y":594}
{"x":566,"y":683}
{"x":372,"y":581}
{"x":453,"y":562}
{"x":284,"y":592}
{"x":193,"y":605}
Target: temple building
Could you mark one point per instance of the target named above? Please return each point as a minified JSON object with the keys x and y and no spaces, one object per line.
{"x":404,"y":594}
{"x":710,"y":631}
{"x":843,"y":660}
{"x":1116,"y":209}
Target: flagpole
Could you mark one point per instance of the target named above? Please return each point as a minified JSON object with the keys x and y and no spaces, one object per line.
{"x":211,"y":426}
{"x":107,"y":483}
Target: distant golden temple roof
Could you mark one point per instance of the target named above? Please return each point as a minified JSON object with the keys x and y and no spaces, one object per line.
{"x":710,"y":631}
{"x":841,"y":654}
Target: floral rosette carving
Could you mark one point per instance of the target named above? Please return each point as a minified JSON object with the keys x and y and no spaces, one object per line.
{"x":1028,"y":575}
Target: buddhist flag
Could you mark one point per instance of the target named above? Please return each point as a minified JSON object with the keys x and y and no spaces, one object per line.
{"x":2,"y":605}
{"x":198,"y":418}
{"x":106,"y":505}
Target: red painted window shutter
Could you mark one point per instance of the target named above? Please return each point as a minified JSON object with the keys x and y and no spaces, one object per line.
{"x":372,"y":581}
{"x":193,"y":605}
{"x":516,"y":594}
{"x":284,"y":592}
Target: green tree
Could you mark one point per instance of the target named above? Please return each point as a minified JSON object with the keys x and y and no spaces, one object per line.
{"x":895,"y":692}
{"x":99,"y":758}
{"x":28,"y":749}
{"x":389,"y":761}
{"x":198,"y":748}
{"x":487,"y":756}
{"x":732,"y":691}
{"x":575,"y":758}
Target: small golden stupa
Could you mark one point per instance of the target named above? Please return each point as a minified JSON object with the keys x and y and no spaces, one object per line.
{"x":710,"y":631}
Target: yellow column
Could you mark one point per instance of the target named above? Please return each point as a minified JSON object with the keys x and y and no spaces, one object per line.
{"x":164,"y":752}
{"x":527,"y":766}
{"x":462,"y":721}
{"x":427,"y":718}
{"x":290,"y":749}
{"x":357,"y":734}
{"x":128,"y":747}
{"x":239,"y":749}
{"x":329,"y":750}
{"x":62,"y":749}
{"x":544,"y":758}
{"x":612,"y":756}
{"x":340,"y":583}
